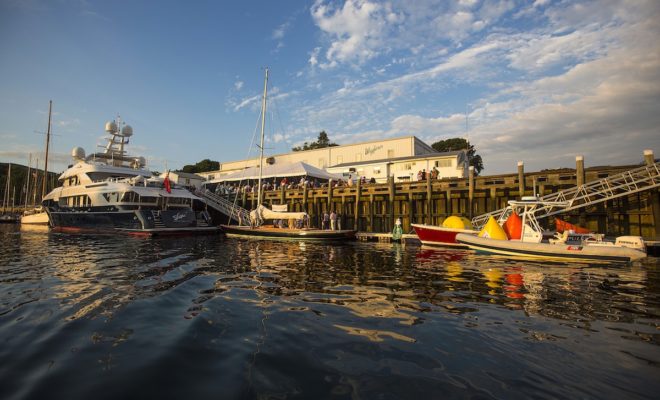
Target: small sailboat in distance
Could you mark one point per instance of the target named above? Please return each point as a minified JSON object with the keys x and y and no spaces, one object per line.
{"x":38,"y":215}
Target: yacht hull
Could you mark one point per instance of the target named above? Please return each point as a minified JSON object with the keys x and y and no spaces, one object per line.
{"x":135,"y":222}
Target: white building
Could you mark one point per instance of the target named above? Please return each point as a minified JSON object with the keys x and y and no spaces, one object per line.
{"x":184,"y":178}
{"x":401,"y":157}
{"x":449,"y":165}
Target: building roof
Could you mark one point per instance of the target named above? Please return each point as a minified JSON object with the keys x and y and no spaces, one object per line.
{"x":339,"y":146}
{"x":459,"y":153}
{"x":184,"y":175}
{"x":278,"y":171}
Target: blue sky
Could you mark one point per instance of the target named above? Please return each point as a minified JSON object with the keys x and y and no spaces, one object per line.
{"x":540,"y":81}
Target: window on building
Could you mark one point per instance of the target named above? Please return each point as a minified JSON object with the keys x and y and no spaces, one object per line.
{"x":321,"y":162}
{"x":376,"y":170}
{"x":444,"y":163}
{"x":407,"y":166}
{"x":340,"y":159}
{"x":390,"y":153}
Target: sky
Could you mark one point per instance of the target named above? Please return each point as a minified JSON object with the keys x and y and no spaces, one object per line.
{"x":537,"y":81}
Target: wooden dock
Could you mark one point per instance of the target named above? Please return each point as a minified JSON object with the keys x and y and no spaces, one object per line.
{"x":408,"y":238}
{"x":373,"y":208}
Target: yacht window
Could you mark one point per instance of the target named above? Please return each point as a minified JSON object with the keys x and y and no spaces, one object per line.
{"x":177,"y":200}
{"x":148,"y":199}
{"x":129,"y":197}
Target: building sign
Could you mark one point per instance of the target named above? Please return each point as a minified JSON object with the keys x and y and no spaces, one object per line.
{"x":372,"y":149}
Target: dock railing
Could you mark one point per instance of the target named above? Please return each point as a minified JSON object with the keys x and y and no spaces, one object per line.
{"x":219,"y":203}
{"x":594,"y":192}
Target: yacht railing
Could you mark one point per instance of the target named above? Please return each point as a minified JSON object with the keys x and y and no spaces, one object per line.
{"x":237,"y":213}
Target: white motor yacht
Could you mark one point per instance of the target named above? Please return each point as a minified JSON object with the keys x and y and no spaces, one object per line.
{"x":113,"y":191}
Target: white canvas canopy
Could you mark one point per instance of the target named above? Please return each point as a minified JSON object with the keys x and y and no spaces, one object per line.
{"x":264,"y":213}
{"x":278,"y":171}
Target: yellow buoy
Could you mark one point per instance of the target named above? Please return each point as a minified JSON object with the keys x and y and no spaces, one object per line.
{"x":455,"y":222}
{"x":493,"y":230}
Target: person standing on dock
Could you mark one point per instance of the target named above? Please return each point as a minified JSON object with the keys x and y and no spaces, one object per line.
{"x":326,"y":221}
{"x":397,"y":232}
{"x":333,"y":221}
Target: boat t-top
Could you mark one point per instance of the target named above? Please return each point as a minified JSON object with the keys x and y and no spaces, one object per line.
{"x":518,"y":233}
{"x":112,"y":191}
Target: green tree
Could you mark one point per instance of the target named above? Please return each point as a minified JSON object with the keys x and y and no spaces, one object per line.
{"x":322,"y":142}
{"x":455,"y":144}
{"x":202,"y":166}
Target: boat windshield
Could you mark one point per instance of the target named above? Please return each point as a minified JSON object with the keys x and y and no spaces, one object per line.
{"x":99,"y":176}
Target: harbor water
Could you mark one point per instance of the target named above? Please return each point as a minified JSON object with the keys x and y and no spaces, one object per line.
{"x":117,"y":317}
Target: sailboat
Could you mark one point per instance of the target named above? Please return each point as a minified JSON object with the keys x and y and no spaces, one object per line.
{"x":298,"y":222}
{"x":10,"y":217}
{"x":38,"y":215}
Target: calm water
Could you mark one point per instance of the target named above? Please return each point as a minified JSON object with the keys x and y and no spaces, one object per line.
{"x":96,"y":317}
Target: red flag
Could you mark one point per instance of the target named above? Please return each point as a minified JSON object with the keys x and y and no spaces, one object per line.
{"x":166,"y":182}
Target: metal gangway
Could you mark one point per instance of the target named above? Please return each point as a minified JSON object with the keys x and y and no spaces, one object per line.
{"x":219,"y":203}
{"x":594,"y":192}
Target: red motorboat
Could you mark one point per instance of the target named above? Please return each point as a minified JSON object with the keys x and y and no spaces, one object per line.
{"x":440,"y":236}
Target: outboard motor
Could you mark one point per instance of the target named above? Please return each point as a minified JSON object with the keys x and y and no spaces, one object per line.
{"x":633,"y":242}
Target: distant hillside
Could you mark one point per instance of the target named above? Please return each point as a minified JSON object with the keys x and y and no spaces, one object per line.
{"x":18,"y":180}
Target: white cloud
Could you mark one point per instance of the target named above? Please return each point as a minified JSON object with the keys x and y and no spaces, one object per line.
{"x":314,"y":57}
{"x":280,"y":31}
{"x":572,"y":77}
{"x":238,"y":85}
{"x":68,"y":123}
{"x":356,"y":30}
{"x":246,"y":102}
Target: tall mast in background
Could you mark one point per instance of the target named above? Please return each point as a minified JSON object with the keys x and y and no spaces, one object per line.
{"x":261,"y":146}
{"x":45,"y":181}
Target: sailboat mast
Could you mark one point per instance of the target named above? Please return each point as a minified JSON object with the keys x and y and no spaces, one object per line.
{"x":261,"y":146}
{"x":5,"y":202}
{"x":27,"y":183}
{"x":45,"y":181}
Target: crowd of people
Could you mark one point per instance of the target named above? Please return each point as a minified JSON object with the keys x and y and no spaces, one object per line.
{"x":250,"y":186}
{"x":331,"y":221}
{"x":422,"y":175}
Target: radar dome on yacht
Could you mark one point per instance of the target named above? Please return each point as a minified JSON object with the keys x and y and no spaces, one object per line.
{"x":111,"y":126}
{"x":78,"y":153}
{"x":127,"y":131}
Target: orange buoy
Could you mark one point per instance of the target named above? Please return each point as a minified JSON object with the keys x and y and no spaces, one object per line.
{"x":567,"y":226}
{"x":513,"y":226}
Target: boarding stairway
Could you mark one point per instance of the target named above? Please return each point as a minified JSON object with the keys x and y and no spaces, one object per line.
{"x":623,"y":184}
{"x":237,"y":213}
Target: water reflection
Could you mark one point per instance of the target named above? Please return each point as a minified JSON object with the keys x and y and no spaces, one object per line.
{"x":310,"y":318}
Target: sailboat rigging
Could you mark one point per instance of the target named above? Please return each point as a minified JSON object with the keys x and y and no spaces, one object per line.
{"x":298,"y":221}
{"x":8,"y":217}
{"x":38,"y":215}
